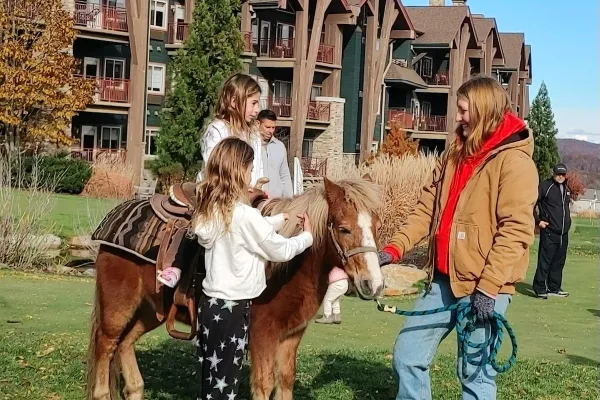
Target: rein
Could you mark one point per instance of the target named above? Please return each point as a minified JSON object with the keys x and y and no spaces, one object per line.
{"x":465,"y":325}
{"x":345,"y":255}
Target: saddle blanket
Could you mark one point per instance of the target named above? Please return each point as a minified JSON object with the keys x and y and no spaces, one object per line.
{"x":132,"y":226}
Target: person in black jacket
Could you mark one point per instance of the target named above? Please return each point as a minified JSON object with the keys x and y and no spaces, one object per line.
{"x":554,"y":219}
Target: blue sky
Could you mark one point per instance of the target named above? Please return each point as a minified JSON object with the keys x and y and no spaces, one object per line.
{"x":564,"y":40}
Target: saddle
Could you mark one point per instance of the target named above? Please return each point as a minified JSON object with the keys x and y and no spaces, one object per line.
{"x":179,"y":248}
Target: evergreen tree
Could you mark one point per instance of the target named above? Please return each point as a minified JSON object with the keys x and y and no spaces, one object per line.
{"x":209,"y":56}
{"x":541,"y":122}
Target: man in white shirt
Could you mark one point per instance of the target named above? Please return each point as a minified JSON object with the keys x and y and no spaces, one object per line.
{"x":274,"y":157}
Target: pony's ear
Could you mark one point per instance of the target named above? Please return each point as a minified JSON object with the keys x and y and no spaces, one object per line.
{"x":333,"y":193}
{"x":367,"y":177}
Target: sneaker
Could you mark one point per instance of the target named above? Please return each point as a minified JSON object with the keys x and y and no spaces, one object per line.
{"x":337,"y":318}
{"x":325,"y":320}
{"x":541,"y":295}
{"x":169,"y":277}
{"x":559,"y":293}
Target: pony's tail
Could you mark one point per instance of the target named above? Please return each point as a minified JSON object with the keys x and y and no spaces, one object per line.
{"x":114,"y":373}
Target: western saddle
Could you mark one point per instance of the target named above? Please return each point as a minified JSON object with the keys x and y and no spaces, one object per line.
{"x":178,"y":247}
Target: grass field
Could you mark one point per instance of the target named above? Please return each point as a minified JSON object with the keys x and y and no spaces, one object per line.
{"x":44,"y":318}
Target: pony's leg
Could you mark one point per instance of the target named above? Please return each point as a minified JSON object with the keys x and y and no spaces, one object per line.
{"x":134,"y":383}
{"x":286,"y":366}
{"x":262,"y":367}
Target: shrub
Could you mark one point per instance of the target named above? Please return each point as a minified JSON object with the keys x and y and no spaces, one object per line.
{"x":402,"y":179}
{"x":112,"y":178}
{"x":397,"y":144}
{"x":62,"y":173}
{"x":575,"y":185}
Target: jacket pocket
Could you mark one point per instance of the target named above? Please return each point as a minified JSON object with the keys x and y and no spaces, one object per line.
{"x":466,"y":252}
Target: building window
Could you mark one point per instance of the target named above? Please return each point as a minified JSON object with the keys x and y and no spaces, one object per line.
{"x":284,"y":34}
{"x":315,"y":91}
{"x":158,"y":14}
{"x":282,"y":92}
{"x":255,"y":31}
{"x":150,"y":141}
{"x":156,"y":79}
{"x":425,"y":67}
{"x":307,"y":147}
{"x":110,"y":137}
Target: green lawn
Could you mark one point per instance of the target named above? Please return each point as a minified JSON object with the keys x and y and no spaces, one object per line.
{"x":43,"y":347}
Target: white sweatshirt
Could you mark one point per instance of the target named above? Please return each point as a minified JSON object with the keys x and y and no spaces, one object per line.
{"x":235,"y":259}
{"x":217,"y":131}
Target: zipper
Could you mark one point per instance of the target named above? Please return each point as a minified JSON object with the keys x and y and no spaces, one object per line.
{"x":562,"y":231}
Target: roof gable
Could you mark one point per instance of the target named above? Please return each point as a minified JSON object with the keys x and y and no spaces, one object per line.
{"x":483,"y":26}
{"x":514,"y":47}
{"x":438,"y":25}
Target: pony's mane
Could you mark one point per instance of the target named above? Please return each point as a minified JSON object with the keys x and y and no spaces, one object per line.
{"x":365,"y":195}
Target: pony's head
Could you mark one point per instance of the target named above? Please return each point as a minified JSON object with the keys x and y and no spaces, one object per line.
{"x":352,"y":227}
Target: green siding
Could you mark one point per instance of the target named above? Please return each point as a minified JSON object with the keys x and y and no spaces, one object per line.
{"x":351,"y":85}
{"x":158,"y":54}
{"x":377,"y":133}
{"x":151,"y":118}
{"x":402,"y":50}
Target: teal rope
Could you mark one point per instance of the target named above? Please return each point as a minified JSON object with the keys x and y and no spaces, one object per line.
{"x":463,"y":312}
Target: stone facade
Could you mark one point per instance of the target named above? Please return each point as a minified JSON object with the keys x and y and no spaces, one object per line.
{"x":330,"y":143}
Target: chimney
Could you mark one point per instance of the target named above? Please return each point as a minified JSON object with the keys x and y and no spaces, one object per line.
{"x":437,"y":3}
{"x":459,"y":2}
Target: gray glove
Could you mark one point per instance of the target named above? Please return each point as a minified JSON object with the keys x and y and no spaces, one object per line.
{"x":483,"y":307}
{"x":385,"y":258}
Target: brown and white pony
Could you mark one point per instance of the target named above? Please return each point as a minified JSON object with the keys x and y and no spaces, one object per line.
{"x":344,"y":223}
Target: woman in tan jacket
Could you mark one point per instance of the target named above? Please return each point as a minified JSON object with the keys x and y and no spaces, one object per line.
{"x":478,"y":213}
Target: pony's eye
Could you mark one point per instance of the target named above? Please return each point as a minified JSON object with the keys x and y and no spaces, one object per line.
{"x":345,"y":231}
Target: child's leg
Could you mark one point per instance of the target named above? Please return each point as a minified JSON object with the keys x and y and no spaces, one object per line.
{"x":341,"y":287}
{"x":223,"y":337}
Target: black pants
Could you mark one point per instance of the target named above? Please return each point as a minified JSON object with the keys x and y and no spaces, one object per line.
{"x":221,"y":346}
{"x":551,"y":261}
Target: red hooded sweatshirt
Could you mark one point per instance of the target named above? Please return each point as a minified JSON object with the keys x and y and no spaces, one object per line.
{"x":510,"y":125}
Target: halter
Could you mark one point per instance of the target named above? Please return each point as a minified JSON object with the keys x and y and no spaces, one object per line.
{"x":345,"y":255}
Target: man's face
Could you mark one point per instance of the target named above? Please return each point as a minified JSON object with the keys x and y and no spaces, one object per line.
{"x":559,"y":178}
{"x":267,"y":129}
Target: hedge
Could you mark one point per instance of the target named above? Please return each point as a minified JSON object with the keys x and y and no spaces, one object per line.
{"x":62,"y":173}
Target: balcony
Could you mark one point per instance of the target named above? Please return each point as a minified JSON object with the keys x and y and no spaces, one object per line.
{"x":110,"y":90}
{"x":278,"y":48}
{"x":93,"y":154}
{"x":317,"y":111}
{"x":401,"y":117}
{"x":97,"y":16}
{"x":247,"y":38}
{"x":313,"y":167}
{"x":177,"y":33}
{"x":325,"y":54}
{"x":440,"y":78}
{"x":281,"y":106}
{"x":433,"y":123}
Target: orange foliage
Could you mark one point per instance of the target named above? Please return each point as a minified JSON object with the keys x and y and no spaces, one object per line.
{"x":397,"y":144}
{"x":575,"y":185}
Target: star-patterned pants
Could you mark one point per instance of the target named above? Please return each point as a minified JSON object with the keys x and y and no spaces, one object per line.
{"x":221,"y":346}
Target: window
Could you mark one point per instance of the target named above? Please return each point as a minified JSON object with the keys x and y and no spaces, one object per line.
{"x":284,"y":34}
{"x":307,"y":147}
{"x":114,"y":68}
{"x":156,"y":78}
{"x":315,"y":91}
{"x":110,"y":137}
{"x":158,"y":14}
{"x":426,"y":109}
{"x":254,"y":31}
{"x":426,"y":67}
{"x":150,"y":141}
{"x":282,"y":93}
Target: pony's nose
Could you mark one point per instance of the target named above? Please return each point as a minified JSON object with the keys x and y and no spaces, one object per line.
{"x":366,"y":287}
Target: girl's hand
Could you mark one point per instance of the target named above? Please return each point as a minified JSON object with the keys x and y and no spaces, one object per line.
{"x":286,"y":216}
{"x":303,"y":219}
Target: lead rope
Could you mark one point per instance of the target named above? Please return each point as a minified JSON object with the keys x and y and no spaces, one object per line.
{"x":463,"y":312}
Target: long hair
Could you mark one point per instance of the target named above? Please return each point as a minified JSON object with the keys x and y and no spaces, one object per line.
{"x":231,"y":105}
{"x":225,"y":182}
{"x":488,"y":103}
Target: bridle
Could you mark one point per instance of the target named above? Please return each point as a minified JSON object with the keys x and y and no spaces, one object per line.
{"x":345,"y":255}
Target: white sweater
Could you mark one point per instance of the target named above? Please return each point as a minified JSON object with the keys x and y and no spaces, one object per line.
{"x":235,"y":259}
{"x":217,"y":131}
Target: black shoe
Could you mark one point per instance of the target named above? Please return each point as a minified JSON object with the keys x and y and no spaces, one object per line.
{"x":541,"y":295}
{"x":559,"y":293}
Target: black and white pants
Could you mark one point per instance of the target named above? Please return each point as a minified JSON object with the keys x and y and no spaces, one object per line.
{"x":221,"y":346}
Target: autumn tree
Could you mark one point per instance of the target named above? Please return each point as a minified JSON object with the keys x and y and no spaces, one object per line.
{"x":396,"y":143}
{"x":575,"y":185}
{"x":39,"y":93}
{"x":541,"y":121}
{"x":211,"y":53}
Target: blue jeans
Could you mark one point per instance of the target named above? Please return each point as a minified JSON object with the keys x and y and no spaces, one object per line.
{"x":420,"y":337}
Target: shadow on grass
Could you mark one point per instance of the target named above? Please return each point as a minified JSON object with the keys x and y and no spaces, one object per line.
{"x":168,"y":371}
{"x":595,"y":313}
{"x":525,"y":289}
{"x":573,"y":359}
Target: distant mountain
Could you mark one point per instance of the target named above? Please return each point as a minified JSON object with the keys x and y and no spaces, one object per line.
{"x":583,"y":157}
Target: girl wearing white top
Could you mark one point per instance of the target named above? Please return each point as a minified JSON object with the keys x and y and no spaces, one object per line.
{"x":238,"y":241}
{"x":235,"y":112}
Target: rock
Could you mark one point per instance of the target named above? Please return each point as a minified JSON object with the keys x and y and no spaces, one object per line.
{"x":91,"y":272}
{"x":61,"y":269}
{"x":46,"y":242}
{"x":400,"y":279}
{"x":81,"y":253}
{"x":81,"y":242}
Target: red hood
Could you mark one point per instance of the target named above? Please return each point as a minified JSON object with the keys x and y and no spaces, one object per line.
{"x":510,"y":125}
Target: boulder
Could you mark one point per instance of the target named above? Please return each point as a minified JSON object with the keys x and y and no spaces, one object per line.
{"x":91,"y":272}
{"x":61,"y":269}
{"x":81,"y":242}
{"x":81,"y":253}
{"x":49,"y":242}
{"x":400,"y":279}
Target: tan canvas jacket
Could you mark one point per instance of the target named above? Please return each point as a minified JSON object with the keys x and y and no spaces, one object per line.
{"x":493,"y":225}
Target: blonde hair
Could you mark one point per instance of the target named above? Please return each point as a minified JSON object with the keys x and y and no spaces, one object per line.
{"x":231,"y":105}
{"x":488,"y":103}
{"x":225,"y":181}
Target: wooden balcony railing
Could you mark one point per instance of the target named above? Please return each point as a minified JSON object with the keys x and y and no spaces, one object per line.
{"x":440,"y":78}
{"x":401,"y":117}
{"x":276,"y":48}
{"x":247,"y":37}
{"x":100,"y":17}
{"x":314,"y":167}
{"x":319,"y":111}
{"x":325,"y":54}
{"x":177,"y":32}
{"x":433,"y":123}
{"x":281,"y":106}
{"x":90,"y":155}
{"x":111,"y":90}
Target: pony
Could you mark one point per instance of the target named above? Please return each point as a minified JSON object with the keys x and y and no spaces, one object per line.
{"x":345,"y":221}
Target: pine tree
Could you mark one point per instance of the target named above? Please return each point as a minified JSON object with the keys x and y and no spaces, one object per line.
{"x":541,"y":122}
{"x":209,"y":56}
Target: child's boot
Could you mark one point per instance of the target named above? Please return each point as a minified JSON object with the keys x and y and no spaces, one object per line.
{"x":325,"y":320}
{"x":337,"y":318}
